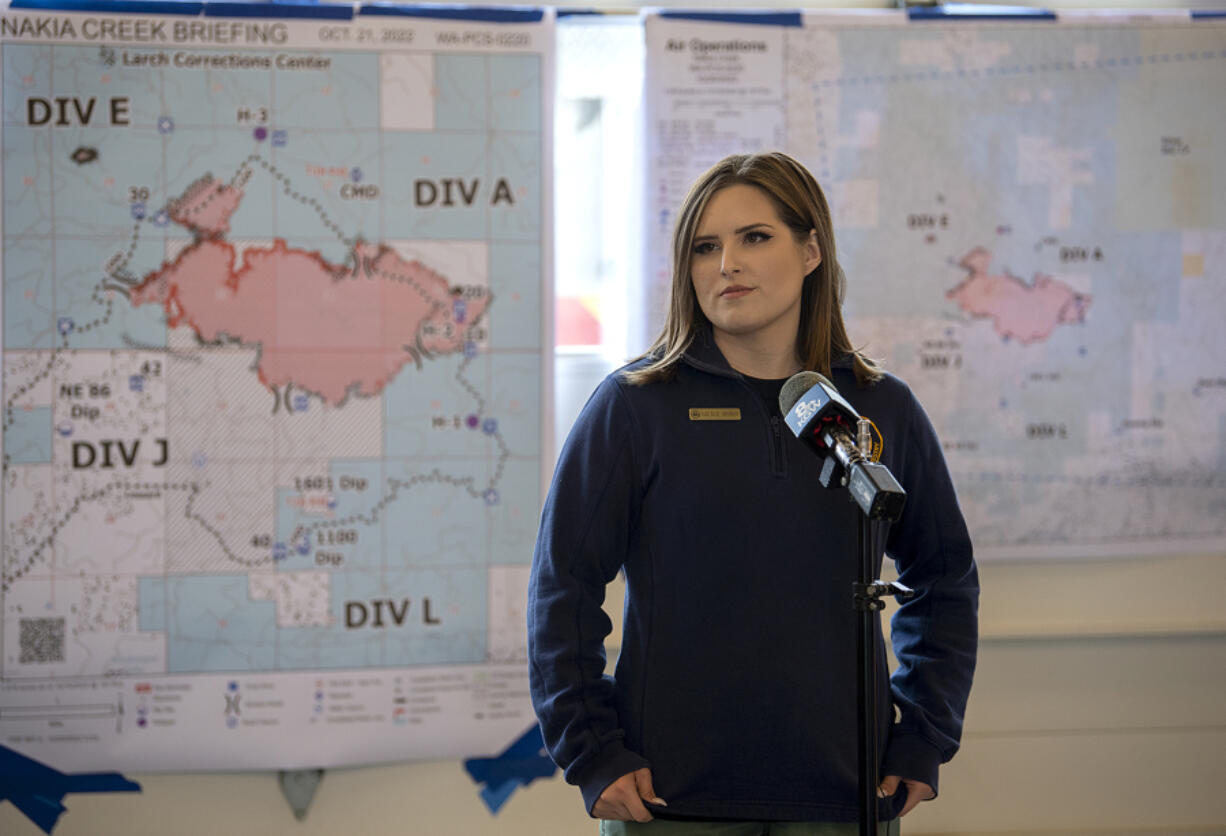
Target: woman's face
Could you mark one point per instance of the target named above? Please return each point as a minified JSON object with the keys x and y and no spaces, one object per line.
{"x":748,"y":268}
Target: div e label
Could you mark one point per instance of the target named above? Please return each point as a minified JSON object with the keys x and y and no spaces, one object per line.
{"x":70,"y":110}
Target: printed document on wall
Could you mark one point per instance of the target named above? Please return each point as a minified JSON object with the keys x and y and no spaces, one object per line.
{"x":1030,"y":219}
{"x":273,"y":372}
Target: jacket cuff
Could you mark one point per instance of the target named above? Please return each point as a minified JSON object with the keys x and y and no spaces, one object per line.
{"x":612,"y":763}
{"x":908,"y":755}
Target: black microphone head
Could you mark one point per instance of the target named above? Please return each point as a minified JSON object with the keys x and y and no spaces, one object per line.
{"x":796,"y":386}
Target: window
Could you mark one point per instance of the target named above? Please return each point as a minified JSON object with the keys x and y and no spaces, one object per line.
{"x":598,"y":213}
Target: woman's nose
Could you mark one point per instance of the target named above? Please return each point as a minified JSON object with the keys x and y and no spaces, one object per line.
{"x":729,"y":262}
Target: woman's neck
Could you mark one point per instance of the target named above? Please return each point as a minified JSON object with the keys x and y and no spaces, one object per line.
{"x":758,"y":357}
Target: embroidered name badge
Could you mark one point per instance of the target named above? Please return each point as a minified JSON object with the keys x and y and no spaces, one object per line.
{"x":726,"y":413}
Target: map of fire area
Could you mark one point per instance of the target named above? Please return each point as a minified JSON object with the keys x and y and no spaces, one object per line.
{"x":1030,"y":219}
{"x":273,"y":363}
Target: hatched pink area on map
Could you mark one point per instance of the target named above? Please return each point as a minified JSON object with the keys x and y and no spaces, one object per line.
{"x":206,"y":206}
{"x":1020,"y":311}
{"x":326,"y":328}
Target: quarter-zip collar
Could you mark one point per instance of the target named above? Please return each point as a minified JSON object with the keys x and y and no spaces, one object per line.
{"x":703,"y":354}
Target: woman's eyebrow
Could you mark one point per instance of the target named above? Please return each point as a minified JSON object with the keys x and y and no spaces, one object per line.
{"x":737,"y":231}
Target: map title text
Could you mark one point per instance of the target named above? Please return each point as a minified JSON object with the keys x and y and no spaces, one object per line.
{"x":142,"y":30}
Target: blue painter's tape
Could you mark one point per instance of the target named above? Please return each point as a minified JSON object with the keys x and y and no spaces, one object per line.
{"x":970,"y":11}
{"x":747,"y":18}
{"x":561,"y":13}
{"x":519,"y":765}
{"x":481,"y":14}
{"x":144,"y":7}
{"x":38,"y":791}
{"x":1208,"y":14}
{"x":316,"y":11}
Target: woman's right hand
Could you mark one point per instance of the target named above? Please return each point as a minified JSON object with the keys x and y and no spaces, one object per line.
{"x":623,"y":799}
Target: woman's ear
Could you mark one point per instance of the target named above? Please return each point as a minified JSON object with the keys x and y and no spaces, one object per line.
{"x":813,"y":253}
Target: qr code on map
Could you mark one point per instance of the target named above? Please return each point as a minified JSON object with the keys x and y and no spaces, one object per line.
{"x":41,"y":639}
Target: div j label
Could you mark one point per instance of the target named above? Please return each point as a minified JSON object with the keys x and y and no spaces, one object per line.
{"x":111,"y":453}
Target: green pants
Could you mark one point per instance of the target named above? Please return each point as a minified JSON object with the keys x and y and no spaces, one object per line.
{"x":663,"y":827}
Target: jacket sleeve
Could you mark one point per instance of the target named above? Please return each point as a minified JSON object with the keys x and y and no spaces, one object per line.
{"x":935,"y":635}
{"x":586,"y":525}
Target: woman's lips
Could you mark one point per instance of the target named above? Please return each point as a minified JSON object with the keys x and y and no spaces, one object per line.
{"x":736,"y":291}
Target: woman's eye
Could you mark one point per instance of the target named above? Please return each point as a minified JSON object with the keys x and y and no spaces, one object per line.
{"x":704,"y":247}
{"x":756,"y":237}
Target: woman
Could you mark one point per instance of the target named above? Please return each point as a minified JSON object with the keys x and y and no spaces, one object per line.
{"x":732,"y":708}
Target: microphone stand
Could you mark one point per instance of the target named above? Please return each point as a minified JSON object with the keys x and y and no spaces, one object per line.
{"x":879,"y":497}
{"x":867,"y":595}
{"x":820,"y":417}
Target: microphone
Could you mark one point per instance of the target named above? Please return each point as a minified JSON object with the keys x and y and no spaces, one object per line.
{"x":826,"y":423}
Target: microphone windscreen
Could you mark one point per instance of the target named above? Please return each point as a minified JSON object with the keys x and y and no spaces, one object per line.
{"x":796,"y":386}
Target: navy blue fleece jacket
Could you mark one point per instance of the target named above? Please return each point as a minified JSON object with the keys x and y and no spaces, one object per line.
{"x":736,"y":678}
